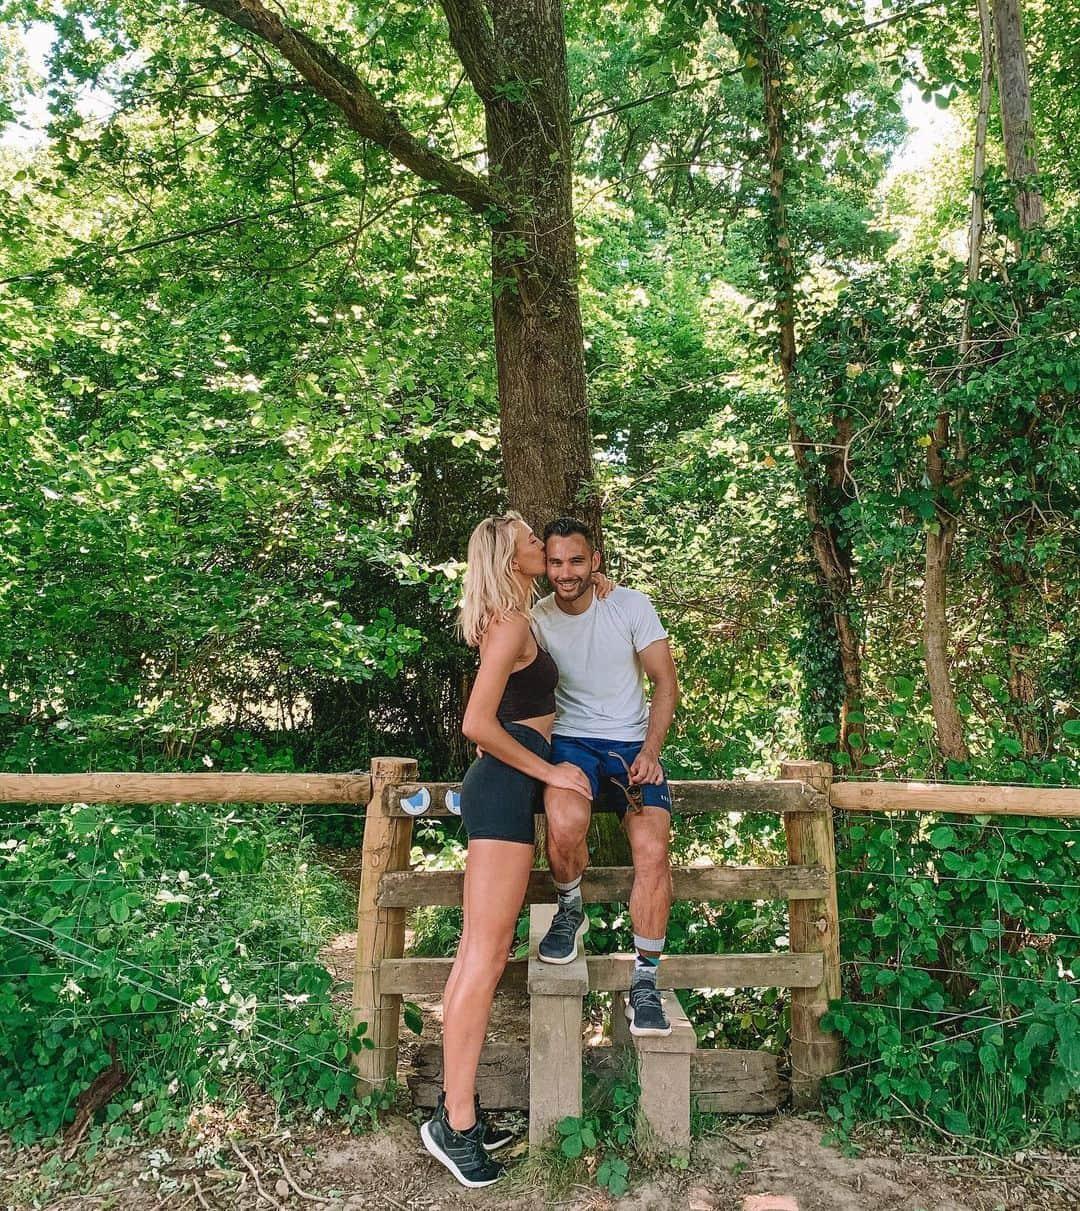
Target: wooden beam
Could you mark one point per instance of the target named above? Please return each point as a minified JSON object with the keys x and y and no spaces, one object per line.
{"x":556,"y":992}
{"x":611,"y":884}
{"x":608,"y":973}
{"x":722,"y":1081}
{"x":420,"y":977}
{"x":814,"y":929}
{"x":611,"y":973}
{"x":185,"y":788}
{"x":663,"y":1066}
{"x":700,"y":798}
{"x":1060,"y":802}
{"x":380,"y":932}
{"x":687,"y":798}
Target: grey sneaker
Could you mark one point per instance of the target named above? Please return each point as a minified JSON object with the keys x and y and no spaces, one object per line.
{"x":462,"y":1152}
{"x":560,"y":943}
{"x":645,"y":1010}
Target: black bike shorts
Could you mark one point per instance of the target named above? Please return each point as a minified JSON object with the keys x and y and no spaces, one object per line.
{"x":497,"y":801}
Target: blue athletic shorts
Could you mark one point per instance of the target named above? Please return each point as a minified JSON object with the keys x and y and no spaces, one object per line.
{"x":593,"y":756}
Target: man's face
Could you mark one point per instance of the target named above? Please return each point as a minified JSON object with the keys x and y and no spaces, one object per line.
{"x":570,"y":565}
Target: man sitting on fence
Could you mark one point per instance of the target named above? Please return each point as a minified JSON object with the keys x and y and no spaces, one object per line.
{"x":605,"y":726}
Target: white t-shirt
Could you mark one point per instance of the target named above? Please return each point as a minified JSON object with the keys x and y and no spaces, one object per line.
{"x":601,"y":690}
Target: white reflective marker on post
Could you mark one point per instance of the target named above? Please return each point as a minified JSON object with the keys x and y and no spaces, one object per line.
{"x":416,"y":805}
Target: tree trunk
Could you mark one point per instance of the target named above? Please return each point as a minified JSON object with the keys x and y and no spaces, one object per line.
{"x":539,"y":345}
{"x":1015,"y":586}
{"x":539,"y":342}
{"x":1014,"y":97}
{"x":941,"y":536}
{"x":833,"y":560}
{"x":947,"y":722}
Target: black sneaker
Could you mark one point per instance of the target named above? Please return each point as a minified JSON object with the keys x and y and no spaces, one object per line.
{"x":560,"y":943}
{"x":494,"y":1137}
{"x":462,"y":1152}
{"x":645,"y":1010}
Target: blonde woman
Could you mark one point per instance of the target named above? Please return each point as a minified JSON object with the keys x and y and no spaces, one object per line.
{"x":509,"y":717}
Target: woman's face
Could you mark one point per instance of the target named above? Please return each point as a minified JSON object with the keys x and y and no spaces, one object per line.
{"x":529,"y":552}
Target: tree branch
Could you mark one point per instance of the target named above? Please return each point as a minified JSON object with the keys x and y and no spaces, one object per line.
{"x":333,"y":79}
{"x":471,"y":37}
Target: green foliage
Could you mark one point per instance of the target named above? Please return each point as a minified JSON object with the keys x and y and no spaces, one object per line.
{"x":601,"y":1142}
{"x":181,"y":944}
{"x":248,"y":416}
{"x":959,"y":943}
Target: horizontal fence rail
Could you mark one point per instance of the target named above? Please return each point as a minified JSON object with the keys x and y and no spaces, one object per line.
{"x":185,"y":788}
{"x":613,"y":973}
{"x":611,"y":884}
{"x":1061,"y":802}
{"x":687,"y":798}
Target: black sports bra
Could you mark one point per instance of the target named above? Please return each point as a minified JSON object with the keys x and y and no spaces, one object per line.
{"x":530,"y":692}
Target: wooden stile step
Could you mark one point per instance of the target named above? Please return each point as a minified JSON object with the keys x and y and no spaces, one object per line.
{"x":556,"y":992}
{"x":611,"y":884}
{"x":663,"y":1067}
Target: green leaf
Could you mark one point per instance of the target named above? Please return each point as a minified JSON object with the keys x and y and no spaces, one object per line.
{"x":943,"y":837}
{"x":572,"y":1146}
{"x":414,"y":1018}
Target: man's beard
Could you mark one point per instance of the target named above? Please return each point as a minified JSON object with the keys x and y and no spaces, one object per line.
{"x":573,"y":589}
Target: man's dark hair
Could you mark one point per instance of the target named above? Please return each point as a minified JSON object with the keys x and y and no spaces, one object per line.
{"x":563,"y":527}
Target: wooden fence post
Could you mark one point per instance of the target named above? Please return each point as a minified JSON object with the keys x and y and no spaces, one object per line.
{"x":380,"y":932}
{"x":814,"y":926}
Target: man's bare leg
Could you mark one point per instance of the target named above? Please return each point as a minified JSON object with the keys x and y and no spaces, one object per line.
{"x":568,"y":817}
{"x":649,"y":832}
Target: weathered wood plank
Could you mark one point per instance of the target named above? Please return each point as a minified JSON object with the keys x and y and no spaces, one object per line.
{"x":555,"y":996}
{"x":736,"y":1082}
{"x":663,"y":1109}
{"x":421,"y":977}
{"x":502,"y":1078}
{"x":185,"y":788}
{"x":607,"y":884}
{"x":688,"y":798}
{"x":775,"y":795}
{"x":721,"y":1081}
{"x":1058,"y":802}
{"x":612,"y":972}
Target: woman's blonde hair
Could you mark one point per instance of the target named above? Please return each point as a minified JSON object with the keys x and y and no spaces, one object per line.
{"x":490,"y":589}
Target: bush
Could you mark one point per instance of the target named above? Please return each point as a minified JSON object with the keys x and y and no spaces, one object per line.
{"x":959,"y":940}
{"x":180,"y":943}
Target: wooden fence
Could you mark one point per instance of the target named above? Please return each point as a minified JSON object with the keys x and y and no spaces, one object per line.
{"x":549,"y":1077}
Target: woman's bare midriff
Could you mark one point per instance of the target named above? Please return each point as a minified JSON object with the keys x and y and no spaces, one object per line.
{"x":542,"y":724}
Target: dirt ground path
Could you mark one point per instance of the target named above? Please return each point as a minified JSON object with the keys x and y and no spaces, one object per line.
{"x":253,"y":1160}
{"x":216,"y":1167}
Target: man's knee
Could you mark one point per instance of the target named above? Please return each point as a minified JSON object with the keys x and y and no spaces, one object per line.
{"x":567,"y":816}
{"x":650,"y":855}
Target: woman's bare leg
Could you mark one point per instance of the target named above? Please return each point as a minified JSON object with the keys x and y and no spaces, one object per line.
{"x":496,"y":876}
